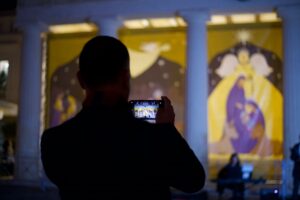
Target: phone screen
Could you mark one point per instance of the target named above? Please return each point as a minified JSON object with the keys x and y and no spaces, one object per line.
{"x":145,"y":109}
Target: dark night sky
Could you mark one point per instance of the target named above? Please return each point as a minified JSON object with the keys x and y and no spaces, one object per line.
{"x":8,"y":5}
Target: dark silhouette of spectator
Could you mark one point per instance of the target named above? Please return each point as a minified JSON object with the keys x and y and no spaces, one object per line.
{"x":295,"y":156}
{"x":5,"y":147}
{"x":106,"y":153}
{"x":8,"y":159}
{"x":231,"y":177}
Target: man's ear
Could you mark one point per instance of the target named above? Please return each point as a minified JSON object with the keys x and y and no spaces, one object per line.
{"x":80,"y":80}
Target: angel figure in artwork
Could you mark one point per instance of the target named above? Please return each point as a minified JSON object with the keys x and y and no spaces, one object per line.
{"x":244,"y":78}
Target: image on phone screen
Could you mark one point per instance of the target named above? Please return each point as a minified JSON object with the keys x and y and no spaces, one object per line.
{"x":145,"y":109}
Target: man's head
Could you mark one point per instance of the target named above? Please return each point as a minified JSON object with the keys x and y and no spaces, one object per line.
{"x":104,"y":63}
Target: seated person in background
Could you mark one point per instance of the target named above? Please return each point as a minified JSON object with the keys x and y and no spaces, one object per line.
{"x":231,"y":177}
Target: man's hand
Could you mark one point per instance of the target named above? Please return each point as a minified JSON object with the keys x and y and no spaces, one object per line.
{"x":165,"y":114}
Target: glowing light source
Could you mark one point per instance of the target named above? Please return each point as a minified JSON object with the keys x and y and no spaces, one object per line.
{"x":4,"y":65}
{"x":243,"y":18}
{"x":215,"y":20}
{"x":218,"y":19}
{"x":154,"y":23}
{"x":136,"y":24}
{"x":164,"y":22}
{"x":145,"y":22}
{"x":72,"y":28}
{"x":180,"y":21}
{"x":268,"y":17}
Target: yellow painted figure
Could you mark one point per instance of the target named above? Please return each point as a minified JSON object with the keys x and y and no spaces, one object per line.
{"x":65,"y":106}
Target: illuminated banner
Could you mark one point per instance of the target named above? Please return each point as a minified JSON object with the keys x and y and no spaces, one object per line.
{"x":157,"y":66}
{"x":157,"y":69}
{"x":245,"y":102}
{"x":245,"y":86}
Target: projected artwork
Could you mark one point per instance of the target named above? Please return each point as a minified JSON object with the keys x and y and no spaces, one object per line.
{"x":158,"y":66}
{"x":245,"y":102}
{"x":152,"y":77}
{"x":66,"y":93}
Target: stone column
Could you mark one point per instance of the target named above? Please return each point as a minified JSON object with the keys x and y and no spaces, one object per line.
{"x":291,"y":78}
{"x":28,"y":136}
{"x":108,"y":26}
{"x":196,"y":84}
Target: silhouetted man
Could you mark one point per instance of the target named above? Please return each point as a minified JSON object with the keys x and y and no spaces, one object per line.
{"x":106,"y":153}
{"x":295,"y":156}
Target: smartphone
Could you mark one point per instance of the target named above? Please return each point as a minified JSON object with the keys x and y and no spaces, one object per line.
{"x":145,"y":109}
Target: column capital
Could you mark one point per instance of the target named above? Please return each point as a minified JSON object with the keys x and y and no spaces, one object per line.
{"x":108,"y":25}
{"x":32,"y":25}
{"x":289,"y":12}
{"x":195,"y":16}
{"x":102,"y":20}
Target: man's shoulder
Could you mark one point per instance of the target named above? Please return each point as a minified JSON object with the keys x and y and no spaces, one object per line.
{"x":60,"y":130}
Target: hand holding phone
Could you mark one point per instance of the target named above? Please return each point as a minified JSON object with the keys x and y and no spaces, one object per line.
{"x":166,"y":113}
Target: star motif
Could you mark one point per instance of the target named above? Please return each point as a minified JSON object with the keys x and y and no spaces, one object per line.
{"x":151,"y":84}
{"x":278,"y":75}
{"x":165,"y":75}
{"x":157,"y":94}
{"x":66,"y":69}
{"x":55,"y":78}
{"x":181,"y":71}
{"x":73,"y":81}
{"x":161,"y":63}
{"x":213,"y":82}
{"x":243,"y":36}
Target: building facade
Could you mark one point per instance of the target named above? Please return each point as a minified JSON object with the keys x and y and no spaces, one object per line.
{"x":35,"y":18}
